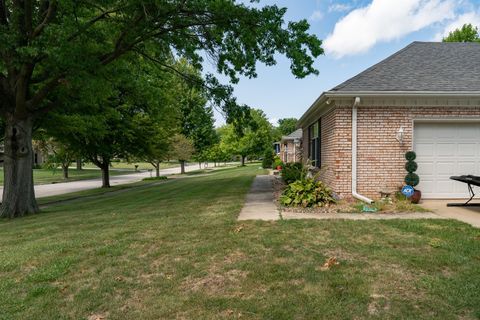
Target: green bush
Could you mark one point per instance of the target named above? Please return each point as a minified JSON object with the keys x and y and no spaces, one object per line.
{"x":293,"y":171}
{"x":307,"y":193}
{"x":411,"y":179}
{"x":277,"y":162}
{"x":411,"y":166}
{"x":410,"y":155}
{"x":268,"y":158}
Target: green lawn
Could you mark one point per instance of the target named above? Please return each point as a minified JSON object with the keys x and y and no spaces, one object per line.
{"x":46,"y":176}
{"x":176,"y":251}
{"x":141,"y":165}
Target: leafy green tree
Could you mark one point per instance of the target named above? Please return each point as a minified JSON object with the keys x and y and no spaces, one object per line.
{"x":217,"y":154}
{"x":182,"y":149}
{"x":57,"y":154}
{"x":197,"y":121}
{"x":287,"y":125}
{"x":51,"y":48}
{"x":252,"y":141}
{"x":121,"y":122}
{"x":157,"y":150}
{"x":467,"y":33}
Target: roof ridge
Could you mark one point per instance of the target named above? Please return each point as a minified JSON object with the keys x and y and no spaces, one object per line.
{"x":390,"y":57}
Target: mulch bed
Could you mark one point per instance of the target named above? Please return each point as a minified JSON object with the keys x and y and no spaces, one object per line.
{"x":342,"y":206}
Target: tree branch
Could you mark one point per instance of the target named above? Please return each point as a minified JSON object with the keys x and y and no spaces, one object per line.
{"x":3,"y":13}
{"x":27,"y":9}
{"x":44,"y":91}
{"x":91,"y":23}
{"x":48,"y":17}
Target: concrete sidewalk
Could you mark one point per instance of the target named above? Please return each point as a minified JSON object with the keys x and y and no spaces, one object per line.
{"x":47,"y":190}
{"x":259,"y":203}
{"x":470,"y":215}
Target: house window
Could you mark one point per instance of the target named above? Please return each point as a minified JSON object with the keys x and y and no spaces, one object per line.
{"x":314,"y":144}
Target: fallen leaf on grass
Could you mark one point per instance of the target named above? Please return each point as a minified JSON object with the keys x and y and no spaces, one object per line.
{"x":97,"y":317}
{"x":329,"y":263}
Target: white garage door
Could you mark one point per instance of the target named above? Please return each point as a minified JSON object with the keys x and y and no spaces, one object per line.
{"x":444,"y":150}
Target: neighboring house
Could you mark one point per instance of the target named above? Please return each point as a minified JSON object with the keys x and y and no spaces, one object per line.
{"x":39,"y":156}
{"x":290,"y":147}
{"x":425,"y":98}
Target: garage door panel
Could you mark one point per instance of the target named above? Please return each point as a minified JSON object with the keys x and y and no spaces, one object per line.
{"x":443,"y":150}
{"x":447,"y":132}
{"x":444,"y":186}
{"x":466,"y":167}
{"x":468,"y":133}
{"x":467,"y":149}
{"x":445,"y":168}
{"x":425,"y":168}
{"x":446,"y":149}
{"x":425,"y":149}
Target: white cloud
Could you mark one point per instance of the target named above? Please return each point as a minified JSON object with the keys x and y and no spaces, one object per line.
{"x":339,"y":7}
{"x":316,"y":15}
{"x":382,"y":21}
{"x":469,"y":17}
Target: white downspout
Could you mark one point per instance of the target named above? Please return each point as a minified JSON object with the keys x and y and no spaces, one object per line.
{"x":354,"y":153}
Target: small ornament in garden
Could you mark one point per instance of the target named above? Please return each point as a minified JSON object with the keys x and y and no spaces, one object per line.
{"x":407,"y":191}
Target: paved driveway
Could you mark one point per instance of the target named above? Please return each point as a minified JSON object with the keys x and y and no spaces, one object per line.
{"x":46,"y":190}
{"x":469,"y":215}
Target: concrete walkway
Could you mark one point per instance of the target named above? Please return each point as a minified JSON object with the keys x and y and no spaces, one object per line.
{"x":470,"y":215}
{"x":259,"y":204}
{"x":47,"y":190}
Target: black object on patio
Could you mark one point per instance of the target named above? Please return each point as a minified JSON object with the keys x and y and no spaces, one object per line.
{"x":470,"y":181}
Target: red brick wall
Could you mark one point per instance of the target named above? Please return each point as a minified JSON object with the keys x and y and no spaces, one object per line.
{"x":292,"y":153}
{"x":380,"y":157}
{"x":335,"y":139}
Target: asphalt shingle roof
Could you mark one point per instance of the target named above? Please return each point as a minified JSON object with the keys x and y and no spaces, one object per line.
{"x":297,"y":134}
{"x":422,"y":66}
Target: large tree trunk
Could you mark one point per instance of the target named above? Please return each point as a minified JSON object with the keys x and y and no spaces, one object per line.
{"x":79,"y":164}
{"x":182,"y":166}
{"x":18,"y":192}
{"x":105,"y":175}
{"x":243,"y":160}
{"x":65,"y":171}
{"x":157,"y":169}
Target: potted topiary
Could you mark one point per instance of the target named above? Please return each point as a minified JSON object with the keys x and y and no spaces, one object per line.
{"x":412,"y":179}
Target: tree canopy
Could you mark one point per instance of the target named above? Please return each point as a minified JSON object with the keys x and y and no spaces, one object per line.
{"x":287,"y":125}
{"x":55,"y":50}
{"x":467,"y":33}
{"x":252,"y":141}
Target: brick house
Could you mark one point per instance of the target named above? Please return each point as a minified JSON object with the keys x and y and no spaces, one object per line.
{"x":291,"y":147}
{"x":425,"y":98}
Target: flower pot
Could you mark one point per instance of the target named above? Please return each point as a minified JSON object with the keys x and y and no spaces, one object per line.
{"x":415,"y":198}
{"x":279,"y":168}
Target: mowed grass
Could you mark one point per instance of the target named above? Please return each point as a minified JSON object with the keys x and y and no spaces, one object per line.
{"x":141,"y":165}
{"x":46,"y":176}
{"x":176,"y":251}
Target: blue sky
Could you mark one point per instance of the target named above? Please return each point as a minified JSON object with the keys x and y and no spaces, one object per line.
{"x":356,"y":35}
